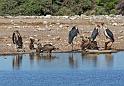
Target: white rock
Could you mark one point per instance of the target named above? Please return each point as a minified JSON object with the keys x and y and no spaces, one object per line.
{"x":121,"y":37}
{"x":41,"y":17}
{"x":58,"y":23}
{"x":50,"y":25}
{"x":9,"y":27}
{"x":47,"y":16}
{"x":107,"y":17}
{"x":9,"y":45}
{"x":112,"y":15}
{"x":35,"y":30}
{"x":121,"y":31}
{"x":16,"y":26}
{"x":122,"y":24}
{"x":37,"y":26}
{"x":83,"y":16}
{"x":27,"y":42}
{"x":5,"y":37}
{"x":45,"y":22}
{"x":48,"y":35}
{"x":114,"y":24}
{"x":74,"y":17}
{"x":60,"y":26}
{"x":57,"y":38}
{"x":39,"y":29}
{"x":66,"y":17}
{"x":35,"y":35}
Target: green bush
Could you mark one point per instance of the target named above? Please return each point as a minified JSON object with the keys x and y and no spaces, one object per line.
{"x":65,"y":11}
{"x":58,"y":7}
{"x":101,"y":11}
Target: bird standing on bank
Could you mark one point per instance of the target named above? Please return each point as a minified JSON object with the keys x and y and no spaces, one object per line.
{"x":72,"y":34}
{"x":95,"y":33}
{"x":109,"y":36}
{"x":17,"y":39}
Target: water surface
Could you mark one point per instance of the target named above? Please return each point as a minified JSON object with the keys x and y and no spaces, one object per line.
{"x":62,"y":62}
{"x":62,"y":69}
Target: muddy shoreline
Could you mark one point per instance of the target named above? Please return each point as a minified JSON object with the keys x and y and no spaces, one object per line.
{"x":54,"y":30}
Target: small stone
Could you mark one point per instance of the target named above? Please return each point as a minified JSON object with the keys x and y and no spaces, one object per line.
{"x":47,"y":16}
{"x":8,"y":45}
{"x":35,"y":30}
{"x":122,"y":24}
{"x":48,"y":35}
{"x":58,"y":23}
{"x":27,"y":42}
{"x":45,"y":22}
{"x":57,"y":38}
{"x":35,"y":35}
{"x":66,"y":17}
{"x":114,"y":24}
{"x":5,"y":37}
{"x":60,"y":26}
{"x":74,"y":17}
{"x":50,"y":25}
{"x":39,"y":29}
{"x":121,"y":37}
{"x":121,"y":31}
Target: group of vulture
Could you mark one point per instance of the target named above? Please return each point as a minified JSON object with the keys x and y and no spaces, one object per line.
{"x":90,"y":44}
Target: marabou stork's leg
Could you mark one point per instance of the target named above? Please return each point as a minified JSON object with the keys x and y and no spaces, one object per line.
{"x":109,"y":45}
{"x":106,"y":45}
{"x":17,"y":48}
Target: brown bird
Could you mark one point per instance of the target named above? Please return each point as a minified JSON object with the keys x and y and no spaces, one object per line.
{"x":31,"y":45}
{"x":48,"y":48}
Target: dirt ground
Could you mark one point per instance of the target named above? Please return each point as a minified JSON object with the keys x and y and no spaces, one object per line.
{"x":54,"y":31}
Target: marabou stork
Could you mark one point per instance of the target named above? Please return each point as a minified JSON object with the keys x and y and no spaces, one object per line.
{"x":95,"y":33}
{"x":72,"y":33}
{"x":109,"y":35}
{"x":17,"y":39}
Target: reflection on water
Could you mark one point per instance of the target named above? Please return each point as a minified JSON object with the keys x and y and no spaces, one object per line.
{"x":90,"y":59}
{"x":98,"y":61}
{"x":73,"y":61}
{"x":62,"y":61}
{"x":109,"y":60}
{"x":17,"y":61}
